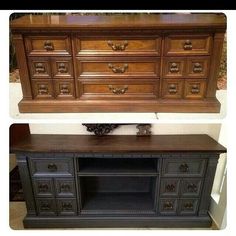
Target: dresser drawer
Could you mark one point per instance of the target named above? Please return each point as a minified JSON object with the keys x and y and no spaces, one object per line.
{"x":183,"y":167}
{"x":42,"y":89}
{"x":66,"y":206}
{"x":174,"y":67}
{"x":46,"y":207}
{"x":43,"y":187}
{"x":172,"y":88}
{"x":118,"y":89}
{"x":114,"y":68}
{"x":194,"y":89}
{"x":168,"y":206}
{"x":170,"y":187}
{"x":48,"y":45}
{"x":197,"y":67}
{"x":124,"y":46}
{"x":188,"y":206}
{"x":191,"y":187}
{"x":65,"y":187}
{"x":39,"y":67}
{"x":62,"y":68}
{"x":64,"y":89}
{"x":51,"y":167}
{"x":188,"y":45}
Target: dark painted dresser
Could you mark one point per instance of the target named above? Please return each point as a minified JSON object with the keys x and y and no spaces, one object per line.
{"x":119,"y":62}
{"x":117,"y":181}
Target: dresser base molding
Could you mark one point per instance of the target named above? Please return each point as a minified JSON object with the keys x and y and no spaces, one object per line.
{"x":53,"y":106}
{"x":109,"y":221}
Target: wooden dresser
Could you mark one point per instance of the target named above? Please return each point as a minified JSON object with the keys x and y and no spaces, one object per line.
{"x":117,"y":181}
{"x":119,"y":63}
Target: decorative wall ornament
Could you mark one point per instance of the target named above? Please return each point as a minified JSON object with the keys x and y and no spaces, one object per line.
{"x":144,"y":129}
{"x":100,"y":129}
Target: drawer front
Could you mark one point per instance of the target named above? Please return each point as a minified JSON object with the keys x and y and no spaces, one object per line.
{"x":195,"y":89}
{"x":48,"y":45}
{"x":119,"y":89}
{"x":168,"y":206}
{"x":42,"y":89}
{"x":188,"y":45}
{"x":173,"y":67}
{"x":86,"y":46}
{"x":46,"y":207}
{"x":191,"y":187}
{"x":170,"y":187}
{"x":172,"y":88}
{"x":67,"y":206}
{"x":197,"y":67}
{"x":51,"y":167}
{"x":111,"y":68}
{"x":188,"y":206}
{"x":39,"y":67}
{"x":64,"y":89}
{"x":43,"y":187}
{"x":62,"y":68}
{"x":183,"y":167}
{"x":65,"y":187}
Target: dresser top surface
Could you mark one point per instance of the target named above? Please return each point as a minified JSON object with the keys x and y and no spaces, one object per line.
{"x":162,"y":21}
{"x":118,"y":143}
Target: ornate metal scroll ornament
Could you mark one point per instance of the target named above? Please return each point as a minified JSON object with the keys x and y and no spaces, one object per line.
{"x":144,"y":129}
{"x":100,"y":129}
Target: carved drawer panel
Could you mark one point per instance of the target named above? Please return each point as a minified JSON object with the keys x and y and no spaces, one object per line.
{"x":48,"y":45}
{"x":122,"y":68}
{"x":197,"y":67}
{"x":65,"y":187}
{"x":51,"y":167}
{"x":62,"y":68}
{"x":42,"y":89}
{"x":64,"y":89}
{"x":195,"y":89}
{"x":40,"y":67}
{"x":174,"y":67}
{"x":46,"y":207}
{"x":43,"y":187}
{"x":188,"y":45}
{"x":172,"y":88}
{"x":188,"y":206}
{"x":114,"y":46}
{"x":168,"y":206}
{"x":190,"y":187}
{"x":170,"y":187}
{"x":183,"y":167}
{"x":119,"y":89}
{"x":67,"y":206}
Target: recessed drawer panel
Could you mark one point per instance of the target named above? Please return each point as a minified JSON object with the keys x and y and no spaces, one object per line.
{"x":188,"y":206}
{"x":172,"y":88}
{"x":118,"y":46}
{"x":43,"y":187}
{"x":197,"y":67}
{"x":174,"y":67}
{"x":190,"y":187}
{"x":119,"y":89}
{"x":195,"y":89}
{"x":183,"y":167}
{"x":46,"y":207}
{"x":168,"y":206}
{"x":188,"y":45}
{"x":62,"y":68}
{"x":67,"y":206}
{"x":65,"y":187}
{"x":111,"y":68}
{"x":170,"y":187}
{"x":51,"y":167}
{"x":42,"y":89}
{"x":64,"y":89}
{"x":46,"y":45}
{"x":39,"y":67}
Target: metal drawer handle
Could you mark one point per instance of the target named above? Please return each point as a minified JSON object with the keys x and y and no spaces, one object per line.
{"x":66,"y":206}
{"x":118,"y":46}
{"x":64,"y":89}
{"x":174,"y":68}
{"x":184,"y":167}
{"x":170,"y":187}
{"x":172,"y":89}
{"x":43,"y":187}
{"x":192,"y":187}
{"x":188,"y":205}
{"x":197,"y":68}
{"x":45,"y":207}
{"x":118,"y":69}
{"x":195,"y":89}
{"x":62,"y":68}
{"x":65,"y":187}
{"x":52,"y":167}
{"x":42,"y":90}
{"x":188,"y":45}
{"x":118,"y":90}
{"x":168,"y":206}
{"x":48,"y":45}
{"x":39,"y":68}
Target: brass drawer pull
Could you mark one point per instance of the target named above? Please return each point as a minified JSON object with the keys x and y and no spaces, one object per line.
{"x":192,"y":187}
{"x":184,"y":167}
{"x":188,"y":205}
{"x":118,"y":69}
{"x":118,"y":90}
{"x":197,"y":68}
{"x":188,"y":45}
{"x":64,"y":89}
{"x":66,"y":206}
{"x":118,"y":46}
{"x":62,"y":68}
{"x":168,"y":206}
{"x":39,"y":68}
{"x":48,"y":45}
{"x":174,"y":68}
{"x":52,"y":167}
{"x":170,"y":187}
{"x":65,"y":187}
{"x":42,"y":90}
{"x":43,"y":187}
{"x":195,"y":89}
{"x":172,"y":89}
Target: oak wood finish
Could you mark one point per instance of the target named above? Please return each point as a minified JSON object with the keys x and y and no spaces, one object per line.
{"x":120,"y":47}
{"x":90,"y":181}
